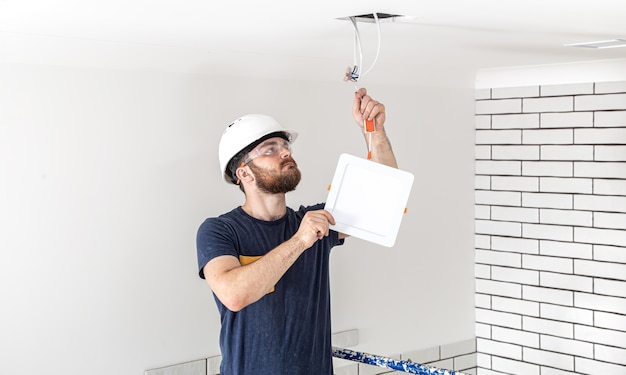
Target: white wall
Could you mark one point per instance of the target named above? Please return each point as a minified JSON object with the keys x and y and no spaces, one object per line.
{"x":551,"y":220}
{"x":106,"y":175}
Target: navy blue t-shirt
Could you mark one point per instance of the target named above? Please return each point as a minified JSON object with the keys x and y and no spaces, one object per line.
{"x":288,"y":330}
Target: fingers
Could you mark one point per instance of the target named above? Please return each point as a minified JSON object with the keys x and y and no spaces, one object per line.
{"x":315,"y":225}
{"x":367,"y":107}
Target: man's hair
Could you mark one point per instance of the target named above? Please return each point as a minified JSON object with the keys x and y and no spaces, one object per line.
{"x":235,"y":161}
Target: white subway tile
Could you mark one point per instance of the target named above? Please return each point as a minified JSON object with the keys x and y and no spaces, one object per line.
{"x":498,"y":318}
{"x":554,"y":371}
{"x":540,"y":294}
{"x":600,"y":303}
{"x":483,"y":122}
{"x":482,"y":152}
{"x":613,"y":237}
{"x":609,"y":220}
{"x":482,"y":182}
{"x":516,"y":121}
{"x":610,"y":119}
{"x":488,"y":167}
{"x":515,"y":92}
{"x":548,"y":136}
{"x":514,"y":336}
{"x":547,"y":200}
{"x":484,"y":107}
{"x":567,"y":89}
{"x":498,"y":288}
{"x":600,"y":269}
{"x":611,"y":354}
{"x":482,"y":242}
{"x":569,"y":282}
{"x":571,"y":153}
{"x":499,"y":349}
{"x":542,"y":357}
{"x":464,"y":363}
{"x":543,"y":263}
{"x":508,"y":366}
{"x":609,"y":253}
{"x":518,"y":214}
{"x":499,"y":258}
{"x":565,"y":185}
{"x":609,"y":187}
{"x":480,"y":94}
{"x":458,"y":348}
{"x":610,"y":87}
{"x":502,"y":228}
{"x":610,"y":287}
{"x":422,"y":356}
{"x":520,"y":276}
{"x":495,"y":137}
{"x":500,"y":198}
{"x":482,"y":300}
{"x":600,"y":136}
{"x":611,"y":321}
{"x":192,"y":368}
{"x":548,"y":168}
{"x":515,"y":183}
{"x":599,"y":335}
{"x":567,"y":314}
{"x":566,"y":120}
{"x":515,"y":306}
{"x":518,"y":245}
{"x":483,"y":330}
{"x":550,"y":104}
{"x":599,"y":203}
{"x":591,"y":367}
{"x":482,"y":359}
{"x":566,"y":249}
{"x":444,"y":364}
{"x":547,"y":232}
{"x":482,"y":271}
{"x":565,"y":217}
{"x":548,"y":327}
{"x":566,"y":346}
{"x":610,"y":153}
{"x":598,"y":169}
{"x":599,"y":102}
{"x":515,"y":152}
{"x":482,"y":212}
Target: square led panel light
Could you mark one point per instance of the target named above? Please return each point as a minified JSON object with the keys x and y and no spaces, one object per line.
{"x":368,"y":199}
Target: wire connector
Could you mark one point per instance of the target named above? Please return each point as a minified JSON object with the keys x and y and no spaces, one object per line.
{"x":352,"y":74}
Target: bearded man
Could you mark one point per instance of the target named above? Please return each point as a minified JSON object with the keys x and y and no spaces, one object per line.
{"x":267,"y":264}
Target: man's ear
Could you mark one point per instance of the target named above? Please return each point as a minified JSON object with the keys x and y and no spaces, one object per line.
{"x":243,"y":174}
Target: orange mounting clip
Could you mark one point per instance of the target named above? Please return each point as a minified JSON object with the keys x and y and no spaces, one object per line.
{"x":369,"y":126}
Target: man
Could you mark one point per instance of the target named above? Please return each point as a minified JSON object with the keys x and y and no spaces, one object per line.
{"x":267,"y":264}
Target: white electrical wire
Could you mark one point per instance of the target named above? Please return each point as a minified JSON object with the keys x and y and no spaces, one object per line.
{"x":358,"y":47}
{"x":378,"y":48}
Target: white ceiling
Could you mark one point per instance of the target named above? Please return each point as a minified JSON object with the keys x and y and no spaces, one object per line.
{"x":304,"y":40}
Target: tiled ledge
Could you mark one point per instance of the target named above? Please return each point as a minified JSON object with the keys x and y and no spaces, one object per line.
{"x":459,"y":356}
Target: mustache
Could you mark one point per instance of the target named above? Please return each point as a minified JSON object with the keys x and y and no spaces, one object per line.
{"x":288,"y":160}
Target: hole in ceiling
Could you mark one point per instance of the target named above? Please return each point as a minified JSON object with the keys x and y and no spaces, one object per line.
{"x":382,"y":17}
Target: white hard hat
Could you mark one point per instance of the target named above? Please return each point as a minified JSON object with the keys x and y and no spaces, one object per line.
{"x":243,"y":132}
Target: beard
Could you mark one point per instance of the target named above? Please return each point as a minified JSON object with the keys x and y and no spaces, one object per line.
{"x":277,"y":181}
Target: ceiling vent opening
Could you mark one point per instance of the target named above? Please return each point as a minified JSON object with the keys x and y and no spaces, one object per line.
{"x":382,"y":17}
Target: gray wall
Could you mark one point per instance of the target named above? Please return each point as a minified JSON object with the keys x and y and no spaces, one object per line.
{"x":106,"y":175}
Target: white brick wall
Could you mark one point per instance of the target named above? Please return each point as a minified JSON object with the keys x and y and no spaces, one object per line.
{"x":551,"y":229}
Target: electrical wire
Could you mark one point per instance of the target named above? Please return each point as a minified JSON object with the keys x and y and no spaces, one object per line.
{"x":378,"y":48}
{"x":355,"y":73}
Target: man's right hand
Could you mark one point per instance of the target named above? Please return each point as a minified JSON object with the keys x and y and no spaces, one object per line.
{"x":314,"y":226}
